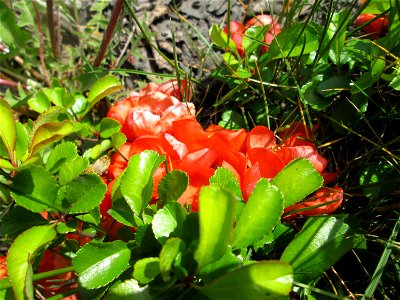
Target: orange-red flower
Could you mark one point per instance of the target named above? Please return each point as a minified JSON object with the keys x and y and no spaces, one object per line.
{"x":3,"y":267}
{"x":153,"y":109}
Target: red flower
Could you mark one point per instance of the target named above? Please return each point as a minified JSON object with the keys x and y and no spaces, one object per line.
{"x":324,"y":201}
{"x":375,"y":28}
{"x":3,"y":267}
{"x":236,"y":34}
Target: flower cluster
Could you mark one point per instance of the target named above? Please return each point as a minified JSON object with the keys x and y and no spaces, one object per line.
{"x":250,"y":156}
{"x":237,"y":30}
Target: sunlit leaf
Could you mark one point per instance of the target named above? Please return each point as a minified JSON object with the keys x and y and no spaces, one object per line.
{"x":217,"y":211}
{"x":21,"y":255}
{"x":171,"y":249}
{"x":168,"y":220}
{"x":260,"y":215}
{"x":97,"y":264}
{"x":219,"y":37}
{"x":8,"y":131}
{"x":172,"y":186}
{"x":146,"y":269}
{"x":319,"y":244}
{"x":262,"y":280}
{"x":297,"y":180}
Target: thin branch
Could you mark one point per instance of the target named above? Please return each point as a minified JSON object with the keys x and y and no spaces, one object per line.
{"x":109,"y":32}
{"x":52,"y":33}
{"x":41,"y":48}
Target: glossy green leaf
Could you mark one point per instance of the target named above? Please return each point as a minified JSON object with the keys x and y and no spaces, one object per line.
{"x":262,"y":280}
{"x":118,"y":139}
{"x":5,"y":164}
{"x":146,"y":269}
{"x":108,"y":127}
{"x":172,"y":186}
{"x":80,"y":105}
{"x":320,"y":243}
{"x":61,"y":154}
{"x":50,"y":133}
{"x":253,"y":39}
{"x":217,"y":212}
{"x":225,"y":179}
{"x":311,"y":96}
{"x":297,"y":180}
{"x":35,"y":189}
{"x":283,"y":45}
{"x":102,"y":88}
{"x":19,"y":219}
{"x":225,"y":264}
{"x":83,"y":193}
{"x":137,"y":180}
{"x":21,"y":255}
{"x":169,"y":253}
{"x":231,"y":119}
{"x":39,"y":102}
{"x":8,"y":131}
{"x":21,"y":146}
{"x":97,"y":264}
{"x":262,"y":212}
{"x":168,"y":221}
{"x":59,"y":96}
{"x":72,"y":169}
{"x":333,"y":85}
{"x":377,"y":6}
{"x":128,"y":290}
{"x":337,"y":30}
{"x":219,"y":37}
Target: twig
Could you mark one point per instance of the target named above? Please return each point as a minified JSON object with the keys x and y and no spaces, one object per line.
{"x":128,"y":40}
{"x":11,"y":84}
{"x":109,"y":32}
{"x":41,"y":47}
{"x":53,"y":37}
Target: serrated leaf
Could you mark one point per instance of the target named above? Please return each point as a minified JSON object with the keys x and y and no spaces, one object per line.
{"x":83,"y":193}
{"x":168,"y":220}
{"x":72,"y":169}
{"x":50,"y":133}
{"x":262,"y":280}
{"x":20,"y":256}
{"x":137,"y":180}
{"x":319,"y":244}
{"x":108,"y":127}
{"x":297,"y":180}
{"x":35,"y":189}
{"x":146,"y":269}
{"x":97,"y":264}
{"x":19,"y":219}
{"x":8,"y":131}
{"x":61,"y":154}
{"x":172,"y":186}
{"x":168,"y":255}
{"x":225,"y":179}
{"x":128,"y":290}
{"x":219,"y":37}
{"x":262,"y":212}
{"x":102,"y":88}
{"x":217,"y":211}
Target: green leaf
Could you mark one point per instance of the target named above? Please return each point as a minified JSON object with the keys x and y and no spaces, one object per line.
{"x":128,"y":290}
{"x":20,"y":256}
{"x":169,"y":253}
{"x":146,"y":269}
{"x":297,"y":180}
{"x":172,"y":186}
{"x":39,"y":102}
{"x":253,"y":39}
{"x":35,"y":189}
{"x":49,"y":133}
{"x":321,"y":242}
{"x":231,"y":119}
{"x":378,"y":179}
{"x":337,"y":26}
{"x":21,"y":146}
{"x":8,"y":131}
{"x":137,"y":180}
{"x":72,"y":169}
{"x":59,"y":96}
{"x":376,"y":6}
{"x":262,"y":212}
{"x":217,"y":212}
{"x":225,"y":264}
{"x":97,"y":264}
{"x":118,"y":139}
{"x":19,"y":219}
{"x":168,"y":221}
{"x":83,"y":193}
{"x":311,"y":96}
{"x":5,"y":164}
{"x":11,"y":34}
{"x":225,"y":179}
{"x":219,"y":38}
{"x":293,"y":41}
{"x":333,"y":85}
{"x":108,"y":127}
{"x":61,"y":154}
{"x":102,"y":88}
{"x":262,"y":280}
